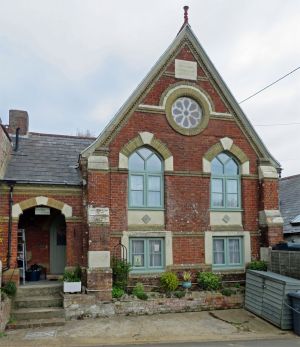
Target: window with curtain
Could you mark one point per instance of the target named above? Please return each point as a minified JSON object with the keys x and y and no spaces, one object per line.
{"x":145,"y":179}
{"x":227,"y":252}
{"x":146,"y":254}
{"x":225,"y":182}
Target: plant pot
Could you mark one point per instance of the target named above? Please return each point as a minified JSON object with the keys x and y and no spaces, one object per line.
{"x":186,"y":285}
{"x":72,"y":287}
{"x":32,"y":275}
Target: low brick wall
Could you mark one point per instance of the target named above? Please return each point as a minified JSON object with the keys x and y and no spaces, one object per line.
{"x":5,"y":309}
{"x":79,"y":306}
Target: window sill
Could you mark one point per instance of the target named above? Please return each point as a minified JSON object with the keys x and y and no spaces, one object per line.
{"x":146,"y":209}
{"x":225,"y":209}
{"x":146,"y":273}
{"x":238,"y":269}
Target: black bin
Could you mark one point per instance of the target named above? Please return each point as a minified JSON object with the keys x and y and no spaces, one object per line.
{"x":295,"y":300}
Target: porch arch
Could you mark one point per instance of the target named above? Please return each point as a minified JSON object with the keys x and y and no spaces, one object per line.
{"x":17,"y":209}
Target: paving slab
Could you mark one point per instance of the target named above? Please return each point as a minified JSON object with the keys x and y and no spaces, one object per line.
{"x":179,"y":327}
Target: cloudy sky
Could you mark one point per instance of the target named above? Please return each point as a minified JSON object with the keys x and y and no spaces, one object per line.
{"x":72,"y":63}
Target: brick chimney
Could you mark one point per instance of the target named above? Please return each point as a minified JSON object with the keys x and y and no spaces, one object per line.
{"x":18,"y":119}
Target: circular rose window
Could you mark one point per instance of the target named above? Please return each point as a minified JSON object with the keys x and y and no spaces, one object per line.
{"x":186,"y":113}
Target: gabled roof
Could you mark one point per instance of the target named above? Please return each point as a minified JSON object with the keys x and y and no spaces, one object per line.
{"x":47,"y":159}
{"x":289,"y":194}
{"x":185,"y":35}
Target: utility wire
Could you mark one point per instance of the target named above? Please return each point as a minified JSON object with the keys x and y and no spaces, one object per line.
{"x":269,"y":85}
{"x":274,"y":125}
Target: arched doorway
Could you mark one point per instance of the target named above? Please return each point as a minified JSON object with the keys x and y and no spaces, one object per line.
{"x":45,"y":235}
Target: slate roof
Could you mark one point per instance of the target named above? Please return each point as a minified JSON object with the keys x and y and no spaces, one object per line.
{"x":45,"y":158}
{"x":289,"y":193}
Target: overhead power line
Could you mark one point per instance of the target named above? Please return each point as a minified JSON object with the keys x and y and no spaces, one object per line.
{"x":271,"y":84}
{"x":276,"y":124}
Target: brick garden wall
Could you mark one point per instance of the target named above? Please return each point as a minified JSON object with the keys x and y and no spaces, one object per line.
{"x":79,"y":306}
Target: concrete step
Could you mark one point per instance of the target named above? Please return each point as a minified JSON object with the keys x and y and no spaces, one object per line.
{"x":38,"y":301}
{"x":37,"y":313}
{"x":37,"y":289}
{"x":36,"y":323}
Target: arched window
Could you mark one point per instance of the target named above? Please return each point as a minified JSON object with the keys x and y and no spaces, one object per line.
{"x":225,"y":182}
{"x":145,"y":179}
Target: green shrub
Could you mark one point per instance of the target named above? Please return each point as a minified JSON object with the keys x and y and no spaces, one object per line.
{"x":139,"y":291}
{"x":169,"y":281}
{"x":78,"y":272}
{"x":117,"y":292}
{"x":260,"y":265}
{"x":142,"y":296}
{"x":209,"y":281}
{"x":227,"y":292}
{"x":9,"y":289}
{"x":71,"y":276}
{"x":179,"y":294}
{"x":138,"y":288}
{"x":120,"y":272}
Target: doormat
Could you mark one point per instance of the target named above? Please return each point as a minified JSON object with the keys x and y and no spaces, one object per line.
{"x":40,"y":335}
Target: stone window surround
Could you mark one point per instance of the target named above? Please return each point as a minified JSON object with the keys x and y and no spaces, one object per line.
{"x":148,"y":139}
{"x":195,"y":94}
{"x":226,"y":144}
{"x":208,"y":241}
{"x":166,"y":235}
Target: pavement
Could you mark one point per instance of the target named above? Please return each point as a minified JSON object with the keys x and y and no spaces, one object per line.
{"x":225,"y":325}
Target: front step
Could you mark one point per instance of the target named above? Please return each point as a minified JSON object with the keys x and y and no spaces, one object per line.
{"x":36,"y":323}
{"x":38,"y":301}
{"x":38,"y":313}
{"x":30,"y":290}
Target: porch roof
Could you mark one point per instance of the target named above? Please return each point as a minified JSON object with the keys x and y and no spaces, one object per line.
{"x":47,"y":159}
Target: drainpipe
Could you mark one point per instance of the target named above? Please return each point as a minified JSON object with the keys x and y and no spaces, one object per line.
{"x":10,"y":201}
{"x":10,"y":204}
{"x":17,"y":140}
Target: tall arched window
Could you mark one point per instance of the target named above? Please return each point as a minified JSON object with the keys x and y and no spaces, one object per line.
{"x":145,"y":179}
{"x":225,"y":182}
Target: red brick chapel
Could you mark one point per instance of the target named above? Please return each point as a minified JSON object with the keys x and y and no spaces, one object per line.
{"x":179,"y":177}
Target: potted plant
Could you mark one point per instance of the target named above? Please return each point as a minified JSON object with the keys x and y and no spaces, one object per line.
{"x":187,"y":277}
{"x":72,"y":280}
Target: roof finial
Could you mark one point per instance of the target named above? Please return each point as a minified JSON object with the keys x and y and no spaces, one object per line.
{"x":186,"y":15}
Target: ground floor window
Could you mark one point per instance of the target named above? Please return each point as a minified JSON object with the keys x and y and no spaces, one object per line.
{"x":146,"y":254}
{"x":227,"y":252}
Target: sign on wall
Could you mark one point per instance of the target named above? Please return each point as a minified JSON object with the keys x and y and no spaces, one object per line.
{"x":98,"y":215}
{"x":42,"y":211}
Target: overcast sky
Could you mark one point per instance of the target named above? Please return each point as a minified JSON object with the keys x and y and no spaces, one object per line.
{"x":72,"y":63}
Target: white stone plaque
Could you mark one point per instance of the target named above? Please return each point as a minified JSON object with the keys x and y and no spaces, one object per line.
{"x":186,"y":69}
{"x":98,"y":215}
{"x":42,"y":211}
